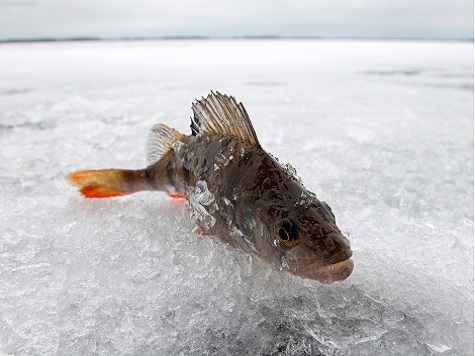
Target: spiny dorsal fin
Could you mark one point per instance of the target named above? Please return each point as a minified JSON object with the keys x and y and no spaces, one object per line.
{"x":160,"y":142}
{"x":221,"y":114}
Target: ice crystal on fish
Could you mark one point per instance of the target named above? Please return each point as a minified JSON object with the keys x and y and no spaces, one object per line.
{"x":228,"y":210}
{"x":201,"y":193}
{"x":177,"y":145}
{"x":283,"y":263}
{"x":307,"y":199}
{"x":274,"y":157}
{"x":223,"y":160}
{"x":242,"y":240}
{"x":235,"y":194}
{"x":201,"y":205}
{"x":292,"y":172}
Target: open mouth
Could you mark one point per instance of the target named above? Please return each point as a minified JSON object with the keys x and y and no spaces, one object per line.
{"x":329,"y":273}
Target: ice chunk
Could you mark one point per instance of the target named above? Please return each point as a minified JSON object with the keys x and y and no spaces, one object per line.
{"x":439,"y":348}
{"x":201,"y":194}
{"x":201,"y":205}
{"x":292,"y":172}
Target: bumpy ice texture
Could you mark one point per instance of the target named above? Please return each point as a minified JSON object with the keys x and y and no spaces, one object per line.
{"x":383,"y":131}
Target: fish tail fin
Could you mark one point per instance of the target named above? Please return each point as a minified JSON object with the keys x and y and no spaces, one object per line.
{"x":105,"y":183}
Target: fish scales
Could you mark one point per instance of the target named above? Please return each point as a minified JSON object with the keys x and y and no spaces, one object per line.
{"x":222,"y":162}
{"x":235,"y":191}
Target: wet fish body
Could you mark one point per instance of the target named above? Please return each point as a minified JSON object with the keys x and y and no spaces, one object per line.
{"x":235,"y":190}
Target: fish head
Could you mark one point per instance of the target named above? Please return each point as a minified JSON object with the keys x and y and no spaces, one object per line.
{"x":306,"y":240}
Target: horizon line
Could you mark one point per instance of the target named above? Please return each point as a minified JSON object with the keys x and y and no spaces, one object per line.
{"x":203,"y":37}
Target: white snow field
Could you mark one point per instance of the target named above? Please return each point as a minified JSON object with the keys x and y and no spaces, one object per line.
{"x":382,"y":131}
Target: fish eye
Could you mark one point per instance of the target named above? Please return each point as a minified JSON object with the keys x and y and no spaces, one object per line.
{"x":283,"y":235}
{"x":287,"y":231}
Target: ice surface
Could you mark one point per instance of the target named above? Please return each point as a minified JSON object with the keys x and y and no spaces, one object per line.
{"x":383,"y":131}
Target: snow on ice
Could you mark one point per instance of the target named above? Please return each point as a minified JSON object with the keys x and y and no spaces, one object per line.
{"x":383,"y":131}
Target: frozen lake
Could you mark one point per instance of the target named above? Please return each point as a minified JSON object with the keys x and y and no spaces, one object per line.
{"x":383,"y":131}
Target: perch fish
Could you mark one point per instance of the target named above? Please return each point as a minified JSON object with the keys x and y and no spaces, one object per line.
{"x":235,"y":191}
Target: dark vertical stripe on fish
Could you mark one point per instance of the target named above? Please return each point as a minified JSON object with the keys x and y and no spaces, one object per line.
{"x":170,"y":175}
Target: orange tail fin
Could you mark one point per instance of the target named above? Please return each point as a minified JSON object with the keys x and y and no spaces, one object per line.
{"x":103,"y":183}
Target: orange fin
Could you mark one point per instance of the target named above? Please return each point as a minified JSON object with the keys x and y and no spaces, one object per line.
{"x":199,"y":231}
{"x":177,"y":196}
{"x":103,"y":183}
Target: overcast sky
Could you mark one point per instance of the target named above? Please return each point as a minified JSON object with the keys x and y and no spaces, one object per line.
{"x":324,"y":18}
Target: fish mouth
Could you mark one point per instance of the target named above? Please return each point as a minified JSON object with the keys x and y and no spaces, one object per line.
{"x":328,"y":274}
{"x":335,"y":269}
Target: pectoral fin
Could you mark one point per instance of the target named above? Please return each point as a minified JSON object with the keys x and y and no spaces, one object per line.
{"x":160,"y":141}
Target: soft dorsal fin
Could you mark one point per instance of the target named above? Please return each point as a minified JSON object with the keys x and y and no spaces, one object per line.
{"x":160,"y":142}
{"x":221,"y":114}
